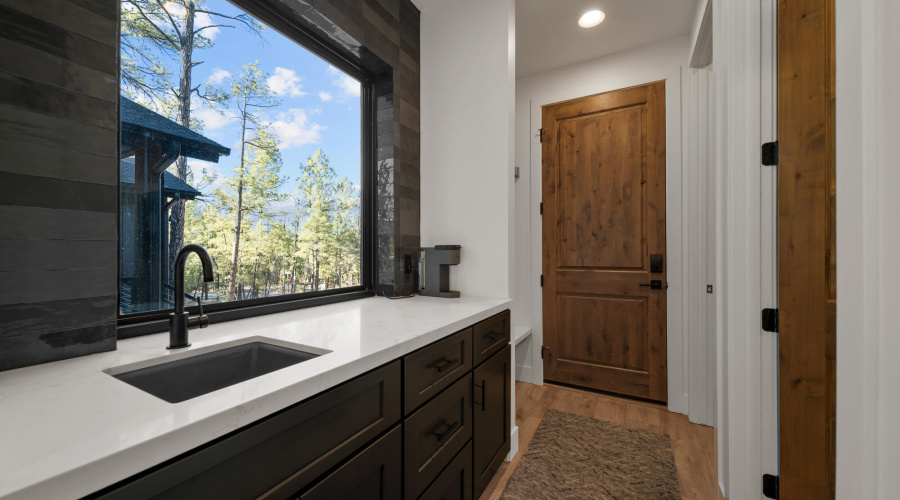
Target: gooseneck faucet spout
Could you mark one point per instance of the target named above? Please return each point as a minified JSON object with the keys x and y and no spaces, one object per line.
{"x":180,"y":322}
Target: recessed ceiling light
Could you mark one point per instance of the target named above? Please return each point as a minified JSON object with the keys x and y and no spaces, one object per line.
{"x":591,"y":19}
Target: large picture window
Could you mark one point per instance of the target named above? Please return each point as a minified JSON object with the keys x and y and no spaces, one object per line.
{"x":236,"y":138}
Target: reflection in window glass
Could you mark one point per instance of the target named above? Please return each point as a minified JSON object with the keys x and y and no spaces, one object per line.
{"x":238,"y":139}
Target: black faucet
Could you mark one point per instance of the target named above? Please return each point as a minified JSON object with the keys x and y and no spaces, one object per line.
{"x":180,"y":321}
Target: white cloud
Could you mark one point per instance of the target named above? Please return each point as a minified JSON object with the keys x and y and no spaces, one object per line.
{"x":218,"y":76}
{"x":326,"y":96}
{"x":286,"y":82}
{"x":293,"y":129}
{"x":198,"y":167}
{"x":201,"y":19}
{"x":212,"y":119}
{"x":345,"y":82}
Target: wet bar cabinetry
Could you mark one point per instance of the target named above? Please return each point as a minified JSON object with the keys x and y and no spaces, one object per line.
{"x":434,"y":424}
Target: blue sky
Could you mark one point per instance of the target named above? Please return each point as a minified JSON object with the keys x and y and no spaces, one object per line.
{"x":320,"y":105}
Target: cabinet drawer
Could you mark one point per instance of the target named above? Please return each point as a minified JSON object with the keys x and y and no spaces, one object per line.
{"x":434,"y":434}
{"x":431,"y":369}
{"x":491,"y":417}
{"x":373,"y":474}
{"x":279,"y":455}
{"x":490,"y":336}
{"x":455,"y":483}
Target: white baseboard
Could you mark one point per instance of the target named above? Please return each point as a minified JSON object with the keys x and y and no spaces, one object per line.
{"x":524,"y":373}
{"x":513,"y":444}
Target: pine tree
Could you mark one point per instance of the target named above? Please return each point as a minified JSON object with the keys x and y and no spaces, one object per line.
{"x":254,"y":178}
{"x":153,"y":32}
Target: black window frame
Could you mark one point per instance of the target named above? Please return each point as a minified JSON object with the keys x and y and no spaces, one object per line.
{"x":267,"y":12}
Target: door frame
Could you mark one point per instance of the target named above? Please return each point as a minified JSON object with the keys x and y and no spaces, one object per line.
{"x":677,"y":83}
{"x":553,"y":115}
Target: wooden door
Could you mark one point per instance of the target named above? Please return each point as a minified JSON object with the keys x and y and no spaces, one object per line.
{"x":604,"y":215}
{"x":807,"y":287}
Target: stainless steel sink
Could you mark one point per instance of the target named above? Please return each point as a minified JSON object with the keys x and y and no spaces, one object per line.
{"x":210,"y":369}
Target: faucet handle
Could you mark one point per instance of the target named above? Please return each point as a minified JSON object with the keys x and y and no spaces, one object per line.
{"x":202,"y":319}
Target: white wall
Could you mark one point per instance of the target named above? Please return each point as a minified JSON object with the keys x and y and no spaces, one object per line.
{"x":868,"y":239}
{"x":467,"y":78}
{"x":467,"y":150}
{"x":664,"y":60}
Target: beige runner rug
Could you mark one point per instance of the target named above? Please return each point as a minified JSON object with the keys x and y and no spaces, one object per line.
{"x":576,"y":457}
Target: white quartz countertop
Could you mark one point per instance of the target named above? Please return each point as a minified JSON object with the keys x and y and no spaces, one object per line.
{"x":68,"y":429}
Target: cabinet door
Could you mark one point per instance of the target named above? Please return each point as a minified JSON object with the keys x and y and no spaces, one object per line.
{"x":373,"y":474}
{"x":490,"y":336}
{"x":491,"y":417}
{"x":434,"y":434}
{"x":455,"y":483}
{"x":280,"y":454}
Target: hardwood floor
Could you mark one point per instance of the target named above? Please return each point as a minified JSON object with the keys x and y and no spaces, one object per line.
{"x":693,"y":445}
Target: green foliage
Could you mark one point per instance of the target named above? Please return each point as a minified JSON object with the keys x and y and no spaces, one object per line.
{"x":263,"y":242}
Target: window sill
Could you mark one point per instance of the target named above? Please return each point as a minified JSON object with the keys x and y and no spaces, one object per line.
{"x":128,"y":328}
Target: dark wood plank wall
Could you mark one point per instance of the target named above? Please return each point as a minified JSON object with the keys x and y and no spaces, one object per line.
{"x":58,"y":179}
{"x":58,"y":167}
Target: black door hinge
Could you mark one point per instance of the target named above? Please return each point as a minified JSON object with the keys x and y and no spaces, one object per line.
{"x":543,"y":350}
{"x":770,"y":320}
{"x":542,"y":280}
{"x":542,"y":208}
{"x":770,"y":154}
{"x":541,"y":133}
{"x":770,"y":486}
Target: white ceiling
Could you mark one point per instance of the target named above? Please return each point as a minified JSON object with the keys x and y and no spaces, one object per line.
{"x":548,"y":35}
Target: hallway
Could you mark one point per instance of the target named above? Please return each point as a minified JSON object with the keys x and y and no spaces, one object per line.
{"x":693,"y":445}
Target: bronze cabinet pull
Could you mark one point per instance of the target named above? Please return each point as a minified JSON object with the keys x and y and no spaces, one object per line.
{"x":446,"y":364}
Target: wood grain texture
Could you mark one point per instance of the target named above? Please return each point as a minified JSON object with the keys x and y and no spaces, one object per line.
{"x":603,"y":194}
{"x":71,"y":17}
{"x":806,"y":248}
{"x":48,"y":99}
{"x":36,"y":65}
{"x":58,"y":179}
{"x":22,"y":28}
{"x":694,"y":455}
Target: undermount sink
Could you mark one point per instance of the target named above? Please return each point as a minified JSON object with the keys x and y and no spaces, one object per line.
{"x":209,"y":369}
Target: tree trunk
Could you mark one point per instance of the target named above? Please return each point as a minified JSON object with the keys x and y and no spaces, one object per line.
{"x":316,"y":276}
{"x":239,"y":213}
{"x":254,"y":292}
{"x":176,"y":235}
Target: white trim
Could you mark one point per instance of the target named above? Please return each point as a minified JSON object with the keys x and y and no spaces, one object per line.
{"x":737,"y":38}
{"x":677,"y":85}
{"x":677,"y":349}
{"x":768,"y":241}
{"x":513,"y":441}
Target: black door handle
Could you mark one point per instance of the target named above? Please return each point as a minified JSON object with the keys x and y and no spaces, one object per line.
{"x":654,"y":284}
{"x":483,"y":383}
{"x":441,"y":436}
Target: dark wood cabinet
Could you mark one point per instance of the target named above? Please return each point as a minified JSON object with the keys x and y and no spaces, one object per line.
{"x":491,"y":417}
{"x":455,"y":483}
{"x":373,"y":474}
{"x":490,"y":336}
{"x":281,"y":454}
{"x":434,"y":434}
{"x":354,"y":442}
{"x":429,"y":370}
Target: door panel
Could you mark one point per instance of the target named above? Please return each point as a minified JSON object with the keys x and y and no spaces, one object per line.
{"x":608,"y":331}
{"x":807,"y":298}
{"x":600,"y":190}
{"x":604,"y":215}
